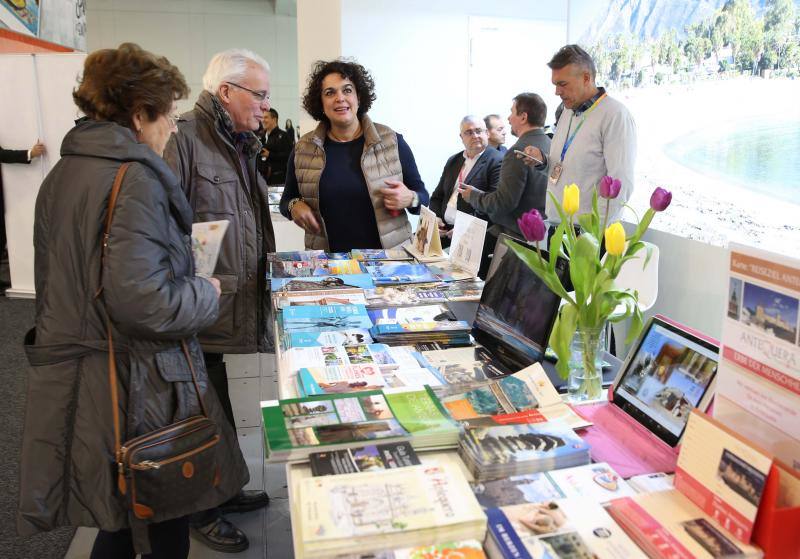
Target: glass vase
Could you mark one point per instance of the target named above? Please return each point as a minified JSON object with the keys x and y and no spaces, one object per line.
{"x":586,"y":364}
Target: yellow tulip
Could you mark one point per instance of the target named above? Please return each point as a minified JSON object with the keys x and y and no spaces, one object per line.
{"x":572,"y":199}
{"x":615,"y":239}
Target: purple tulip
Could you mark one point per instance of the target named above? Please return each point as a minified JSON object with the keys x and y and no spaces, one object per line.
{"x":609,"y":187}
{"x":532,"y":226}
{"x":660,"y":199}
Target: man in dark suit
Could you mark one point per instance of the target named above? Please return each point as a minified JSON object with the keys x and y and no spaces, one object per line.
{"x":275,"y":153}
{"x":478,"y":165}
{"x":13,"y":156}
{"x":496,"y":127}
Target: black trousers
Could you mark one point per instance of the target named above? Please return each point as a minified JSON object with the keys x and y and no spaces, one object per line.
{"x":168,"y":540}
{"x":218,"y":376}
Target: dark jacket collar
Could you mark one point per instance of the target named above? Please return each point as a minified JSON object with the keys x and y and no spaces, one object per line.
{"x":212,"y":109}
{"x":109,"y":140}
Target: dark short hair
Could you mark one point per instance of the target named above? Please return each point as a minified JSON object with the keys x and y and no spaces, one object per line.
{"x":118,"y":83}
{"x":532,"y":105}
{"x":274,"y":113}
{"x":488,"y":118}
{"x":573,"y":54}
{"x":349,"y":69}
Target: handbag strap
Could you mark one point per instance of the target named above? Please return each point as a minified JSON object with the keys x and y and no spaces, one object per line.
{"x":112,"y":362}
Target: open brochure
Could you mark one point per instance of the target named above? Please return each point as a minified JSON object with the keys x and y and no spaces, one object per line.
{"x":206,"y":243}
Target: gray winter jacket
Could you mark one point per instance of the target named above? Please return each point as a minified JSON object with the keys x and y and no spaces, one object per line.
{"x":211,"y":174}
{"x":67,"y":472}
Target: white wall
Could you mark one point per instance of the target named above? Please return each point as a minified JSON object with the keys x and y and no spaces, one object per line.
{"x":418,"y":52}
{"x":190,"y":32}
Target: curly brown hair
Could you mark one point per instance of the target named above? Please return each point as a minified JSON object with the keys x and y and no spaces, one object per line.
{"x":118,"y":83}
{"x":347,"y":68}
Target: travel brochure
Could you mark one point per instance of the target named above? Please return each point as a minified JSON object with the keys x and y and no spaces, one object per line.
{"x":758,"y":384}
{"x":666,"y":524}
{"x":385,"y":273}
{"x":722,"y":474}
{"x":322,"y":318}
{"x":425,"y":244}
{"x":206,"y":242}
{"x":596,"y":483}
{"x":296,"y":427}
{"x":557,"y":528}
{"x":314,"y":267}
{"x":527,"y":396}
{"x":366,"y":511}
{"x":363,"y":459}
{"x":506,"y":450}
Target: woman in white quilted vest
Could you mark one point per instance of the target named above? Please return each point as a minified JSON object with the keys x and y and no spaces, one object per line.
{"x":350,"y":181}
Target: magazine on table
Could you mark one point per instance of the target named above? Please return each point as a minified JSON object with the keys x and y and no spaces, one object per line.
{"x":296,"y":427}
{"x":596,"y":483}
{"x":561,"y":528}
{"x":331,"y":338}
{"x":363,"y":459}
{"x":323,"y":317}
{"x":322,"y":283}
{"x":314,"y":267}
{"x":385,"y":273}
{"x":369,"y":511}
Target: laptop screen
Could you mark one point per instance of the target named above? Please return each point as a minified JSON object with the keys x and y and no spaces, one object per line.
{"x":667,"y":374}
{"x":517,"y":310}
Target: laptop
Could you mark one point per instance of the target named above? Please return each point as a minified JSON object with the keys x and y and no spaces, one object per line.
{"x":670,"y":370}
{"x":517,"y":312}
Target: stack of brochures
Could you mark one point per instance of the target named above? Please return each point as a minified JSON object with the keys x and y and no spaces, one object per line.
{"x":296,"y":427}
{"x":507,"y":450}
{"x":392,"y":273}
{"x":321,"y":318}
{"x":560,"y":528}
{"x":386,"y":509}
{"x":409,"y":325}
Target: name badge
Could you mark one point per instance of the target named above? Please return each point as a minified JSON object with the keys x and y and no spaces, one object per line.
{"x":555,"y":172}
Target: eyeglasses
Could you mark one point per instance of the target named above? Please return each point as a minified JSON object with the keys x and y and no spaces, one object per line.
{"x":261,"y":96}
{"x":473,"y":132}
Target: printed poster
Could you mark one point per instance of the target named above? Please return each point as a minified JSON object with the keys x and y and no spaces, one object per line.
{"x":758,"y":384}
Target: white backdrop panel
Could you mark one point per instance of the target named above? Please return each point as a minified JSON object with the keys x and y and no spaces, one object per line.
{"x":35,"y":103}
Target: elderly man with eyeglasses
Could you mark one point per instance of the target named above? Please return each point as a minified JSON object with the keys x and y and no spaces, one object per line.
{"x":214,"y":155}
{"x":477,"y":165}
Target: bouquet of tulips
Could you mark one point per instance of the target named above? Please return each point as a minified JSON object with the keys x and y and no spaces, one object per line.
{"x":595,"y":298}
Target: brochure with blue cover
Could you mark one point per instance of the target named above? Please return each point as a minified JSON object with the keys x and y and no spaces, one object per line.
{"x":313,"y":283}
{"x":322,"y":318}
{"x":385,"y":273}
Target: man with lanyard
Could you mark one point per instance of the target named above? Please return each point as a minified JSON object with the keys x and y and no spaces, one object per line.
{"x":595,"y":137}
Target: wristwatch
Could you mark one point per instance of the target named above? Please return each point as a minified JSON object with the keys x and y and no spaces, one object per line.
{"x":292,"y":202}
{"x":415,"y":200}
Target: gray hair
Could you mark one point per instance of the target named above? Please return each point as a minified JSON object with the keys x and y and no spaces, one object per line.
{"x":573,"y":54}
{"x":230,"y":66}
{"x":470,"y":118}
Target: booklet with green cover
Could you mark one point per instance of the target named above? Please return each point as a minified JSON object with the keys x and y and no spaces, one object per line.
{"x":296,"y":427}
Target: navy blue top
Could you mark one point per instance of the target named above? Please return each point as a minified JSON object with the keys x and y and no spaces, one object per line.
{"x":344,"y":200}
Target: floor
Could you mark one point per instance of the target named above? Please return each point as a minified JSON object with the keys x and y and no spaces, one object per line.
{"x":251,"y":378}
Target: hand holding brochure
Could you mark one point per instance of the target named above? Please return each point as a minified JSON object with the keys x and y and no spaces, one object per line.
{"x":206,"y":243}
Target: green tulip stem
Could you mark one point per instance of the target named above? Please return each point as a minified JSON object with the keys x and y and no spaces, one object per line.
{"x":539,"y":252}
{"x":605,"y":223}
{"x":590,"y":388}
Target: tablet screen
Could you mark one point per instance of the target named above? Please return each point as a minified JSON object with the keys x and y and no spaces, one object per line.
{"x":667,"y":376}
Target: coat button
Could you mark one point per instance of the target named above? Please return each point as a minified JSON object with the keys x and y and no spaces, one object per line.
{"x":216,"y":178}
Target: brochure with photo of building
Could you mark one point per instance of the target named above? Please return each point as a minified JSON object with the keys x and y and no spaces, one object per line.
{"x":322,"y":283}
{"x":314,"y":267}
{"x":385,"y":273}
{"x":722,"y":474}
{"x":758,"y":384}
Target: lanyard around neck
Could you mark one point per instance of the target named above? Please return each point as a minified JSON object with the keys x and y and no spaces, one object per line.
{"x":571,"y":137}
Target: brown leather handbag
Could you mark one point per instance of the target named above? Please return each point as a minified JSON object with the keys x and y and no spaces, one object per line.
{"x":161,"y":473}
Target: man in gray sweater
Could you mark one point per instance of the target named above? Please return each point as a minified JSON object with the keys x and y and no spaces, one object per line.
{"x":595,"y":137}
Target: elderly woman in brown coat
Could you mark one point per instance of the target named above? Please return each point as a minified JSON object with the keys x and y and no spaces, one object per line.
{"x":147,"y":288}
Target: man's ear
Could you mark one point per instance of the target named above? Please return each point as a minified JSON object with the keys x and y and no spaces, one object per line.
{"x":526,"y":117}
{"x":224,"y":93}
